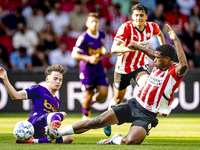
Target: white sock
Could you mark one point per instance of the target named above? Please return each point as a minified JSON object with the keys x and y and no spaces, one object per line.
{"x":66,"y":131}
{"x":118,"y":140}
{"x":112,"y":103}
{"x":36,"y":140}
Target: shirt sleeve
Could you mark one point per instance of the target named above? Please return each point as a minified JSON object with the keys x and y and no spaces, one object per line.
{"x":33,"y":91}
{"x":156,"y":28}
{"x":79,"y":44}
{"x":122,"y":33}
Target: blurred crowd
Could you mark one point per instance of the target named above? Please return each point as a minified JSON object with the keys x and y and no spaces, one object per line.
{"x":38,"y":33}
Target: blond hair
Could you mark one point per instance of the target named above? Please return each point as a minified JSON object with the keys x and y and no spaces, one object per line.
{"x":57,"y":67}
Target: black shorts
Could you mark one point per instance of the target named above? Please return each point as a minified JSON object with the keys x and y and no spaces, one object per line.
{"x":133,"y":112}
{"x":121,"y":81}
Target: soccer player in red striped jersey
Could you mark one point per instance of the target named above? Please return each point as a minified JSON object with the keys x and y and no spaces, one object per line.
{"x":155,"y":97}
{"x":132,"y":64}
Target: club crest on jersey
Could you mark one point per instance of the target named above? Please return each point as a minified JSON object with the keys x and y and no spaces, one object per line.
{"x":148,"y":34}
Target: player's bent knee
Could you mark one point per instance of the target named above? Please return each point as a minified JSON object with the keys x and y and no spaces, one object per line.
{"x":64,"y":114}
{"x":118,"y":100}
{"x":68,"y":139}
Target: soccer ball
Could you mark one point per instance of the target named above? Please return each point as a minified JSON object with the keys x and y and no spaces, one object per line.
{"x":23,"y":130}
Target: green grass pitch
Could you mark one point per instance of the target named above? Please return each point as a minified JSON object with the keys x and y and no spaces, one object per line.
{"x":175,"y":132}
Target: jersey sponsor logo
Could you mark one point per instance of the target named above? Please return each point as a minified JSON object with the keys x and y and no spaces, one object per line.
{"x":49,"y":107}
{"x":92,"y":51}
{"x":156,"y":81}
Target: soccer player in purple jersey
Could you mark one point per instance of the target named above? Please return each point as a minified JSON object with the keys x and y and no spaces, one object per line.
{"x":44,"y":104}
{"x":88,"y":50}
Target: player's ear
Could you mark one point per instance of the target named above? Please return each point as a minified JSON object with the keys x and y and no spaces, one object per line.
{"x":146,"y":17}
{"x":47,"y":80}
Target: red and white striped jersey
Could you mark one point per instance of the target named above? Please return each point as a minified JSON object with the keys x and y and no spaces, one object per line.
{"x":157,"y":94}
{"x":130,"y":61}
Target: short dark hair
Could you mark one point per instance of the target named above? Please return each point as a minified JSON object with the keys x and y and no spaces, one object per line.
{"x":167,"y":50}
{"x":96,"y":15}
{"x":140,"y":7}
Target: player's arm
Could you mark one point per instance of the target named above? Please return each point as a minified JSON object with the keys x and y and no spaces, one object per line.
{"x":15,"y":95}
{"x":161,"y":38}
{"x":104,"y":50}
{"x":150,"y":53}
{"x":118,"y":47}
{"x":93,"y":59}
{"x":182,"y":65}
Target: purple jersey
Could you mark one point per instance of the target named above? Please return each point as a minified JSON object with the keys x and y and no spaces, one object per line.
{"x":88,"y":44}
{"x":42,"y":103}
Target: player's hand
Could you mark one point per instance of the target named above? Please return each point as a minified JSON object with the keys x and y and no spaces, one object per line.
{"x":172,"y":33}
{"x":133,"y":46}
{"x":94,"y":59}
{"x":3,"y":73}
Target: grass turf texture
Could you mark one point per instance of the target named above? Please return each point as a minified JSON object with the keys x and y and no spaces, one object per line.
{"x":177,"y":131}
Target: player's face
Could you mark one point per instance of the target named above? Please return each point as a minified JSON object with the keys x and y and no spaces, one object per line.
{"x":139,"y":17}
{"x":159,"y":61}
{"x":92,"y":24}
{"x":54,"y":80}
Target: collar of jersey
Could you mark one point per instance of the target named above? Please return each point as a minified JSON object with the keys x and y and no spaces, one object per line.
{"x":137,"y":28}
{"x":91,"y":35}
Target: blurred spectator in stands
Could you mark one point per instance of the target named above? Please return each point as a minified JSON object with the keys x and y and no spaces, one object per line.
{"x":40,"y":60}
{"x":125,"y":6}
{"x":35,"y":20}
{"x":45,"y":6}
{"x":9,"y":22}
{"x":196,"y":53}
{"x":26,"y":8}
{"x":59,"y":20}
{"x":26,"y":38}
{"x":20,"y":61}
{"x":4,"y":62}
{"x":62,"y":56}
{"x":109,"y":62}
{"x":188,"y":38}
{"x":195,"y":16}
{"x":150,"y":4}
{"x":77,"y":20}
{"x":176,"y":19}
{"x":186,"y":6}
{"x":168,"y":4}
{"x":48,"y":38}
{"x":157,"y":15}
{"x":117,"y":18}
{"x":102,"y":7}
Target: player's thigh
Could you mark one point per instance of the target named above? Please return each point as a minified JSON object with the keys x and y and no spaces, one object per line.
{"x":121,"y":81}
{"x":141,"y":75}
{"x":103,"y":90}
{"x":136,"y":135}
